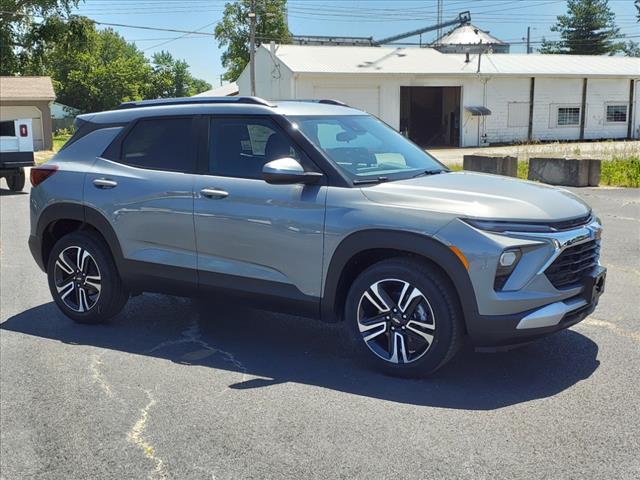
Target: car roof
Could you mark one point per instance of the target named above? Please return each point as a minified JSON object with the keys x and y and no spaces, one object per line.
{"x":219,"y":105}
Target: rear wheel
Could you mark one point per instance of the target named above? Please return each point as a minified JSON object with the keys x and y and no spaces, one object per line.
{"x":16,"y":182}
{"x":403,"y":317}
{"x":83,"y":278}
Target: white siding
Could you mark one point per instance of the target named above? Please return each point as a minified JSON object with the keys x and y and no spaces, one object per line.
{"x":380,"y":95}
{"x":500,"y":93}
{"x":599,"y":94}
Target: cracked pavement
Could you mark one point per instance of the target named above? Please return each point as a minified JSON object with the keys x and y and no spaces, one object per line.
{"x":186,"y":389}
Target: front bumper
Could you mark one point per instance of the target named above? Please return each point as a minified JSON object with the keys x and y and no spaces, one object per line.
{"x":502,"y":330}
{"x":529,"y":305}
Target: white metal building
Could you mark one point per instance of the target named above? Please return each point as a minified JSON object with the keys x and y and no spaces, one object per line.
{"x":461,"y":100}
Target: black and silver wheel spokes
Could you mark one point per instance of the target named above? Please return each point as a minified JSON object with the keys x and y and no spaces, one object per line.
{"x":77,"y":279}
{"x":396,"y":321}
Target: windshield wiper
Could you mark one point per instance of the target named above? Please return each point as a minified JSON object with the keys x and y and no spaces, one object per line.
{"x":430,"y":172}
{"x":365,"y":181}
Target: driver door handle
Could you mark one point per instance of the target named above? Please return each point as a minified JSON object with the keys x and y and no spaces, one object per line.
{"x":104,"y":183}
{"x":214,"y":193}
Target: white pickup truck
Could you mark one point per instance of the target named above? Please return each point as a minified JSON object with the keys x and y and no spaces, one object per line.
{"x":16,"y":151}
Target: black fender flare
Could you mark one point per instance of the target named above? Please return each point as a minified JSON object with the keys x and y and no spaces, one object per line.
{"x":413,"y":243}
{"x":82,"y":213}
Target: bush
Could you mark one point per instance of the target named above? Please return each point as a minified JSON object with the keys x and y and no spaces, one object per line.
{"x":621,"y":172}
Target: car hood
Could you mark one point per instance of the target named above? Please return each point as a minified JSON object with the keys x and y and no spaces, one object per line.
{"x":481,"y":196}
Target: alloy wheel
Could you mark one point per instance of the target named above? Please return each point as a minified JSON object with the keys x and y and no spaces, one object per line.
{"x":396,"y":321}
{"x":77,"y":279}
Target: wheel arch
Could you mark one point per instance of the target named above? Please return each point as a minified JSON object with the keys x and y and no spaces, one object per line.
{"x":59,"y":219}
{"x":363,"y":248}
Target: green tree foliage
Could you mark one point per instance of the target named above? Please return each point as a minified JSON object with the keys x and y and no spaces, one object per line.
{"x":232,"y":31}
{"x":588,"y":28}
{"x":95,"y":69}
{"x":631,"y":49}
{"x":16,"y":24}
{"x":171,"y":78}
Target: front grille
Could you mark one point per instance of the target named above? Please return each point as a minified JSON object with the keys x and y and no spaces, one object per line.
{"x":570,"y":224}
{"x":573,"y":264}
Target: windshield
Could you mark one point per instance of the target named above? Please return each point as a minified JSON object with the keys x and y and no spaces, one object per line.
{"x":363,"y":146}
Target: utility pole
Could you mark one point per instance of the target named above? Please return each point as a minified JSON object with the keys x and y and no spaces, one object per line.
{"x":252,"y":47}
{"x":528,"y":40}
{"x":439,"y":18}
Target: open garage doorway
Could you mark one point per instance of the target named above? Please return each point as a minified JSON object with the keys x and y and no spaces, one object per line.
{"x":430,"y":116}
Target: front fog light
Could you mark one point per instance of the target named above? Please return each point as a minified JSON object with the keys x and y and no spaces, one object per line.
{"x":508,"y":258}
{"x":506,"y":264}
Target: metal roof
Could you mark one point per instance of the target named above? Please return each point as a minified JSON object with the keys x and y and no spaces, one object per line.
{"x":467,"y":35}
{"x":26,"y":88}
{"x":428,"y":61}
{"x":226,"y":90}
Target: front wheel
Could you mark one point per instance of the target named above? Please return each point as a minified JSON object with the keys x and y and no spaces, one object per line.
{"x":83,"y":278}
{"x":403,"y":317}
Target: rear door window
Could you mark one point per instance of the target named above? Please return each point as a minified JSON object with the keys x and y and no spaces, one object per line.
{"x":161,"y":144}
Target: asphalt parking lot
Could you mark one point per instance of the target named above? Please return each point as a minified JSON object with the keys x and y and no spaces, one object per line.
{"x":175,"y":388}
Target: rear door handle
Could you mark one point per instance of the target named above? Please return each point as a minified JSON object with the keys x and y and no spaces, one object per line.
{"x":214,"y":193}
{"x":104,"y":183}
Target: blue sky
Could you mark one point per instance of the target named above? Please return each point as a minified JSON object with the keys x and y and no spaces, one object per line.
{"x":506,"y":19}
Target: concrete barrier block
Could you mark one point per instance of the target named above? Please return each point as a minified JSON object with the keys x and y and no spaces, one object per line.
{"x":569,"y":172}
{"x":594,"y":172}
{"x":498,"y":165}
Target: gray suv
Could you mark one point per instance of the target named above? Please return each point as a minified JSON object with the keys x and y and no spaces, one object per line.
{"x":314,"y":208}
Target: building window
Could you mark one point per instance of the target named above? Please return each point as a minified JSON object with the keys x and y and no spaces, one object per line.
{"x":616,"y":113}
{"x":568,"y":116}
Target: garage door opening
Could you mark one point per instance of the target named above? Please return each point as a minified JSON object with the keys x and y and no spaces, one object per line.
{"x":430,"y":116}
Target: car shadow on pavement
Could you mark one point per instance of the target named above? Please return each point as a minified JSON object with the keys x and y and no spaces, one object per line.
{"x":7,"y":192}
{"x":272,"y":348}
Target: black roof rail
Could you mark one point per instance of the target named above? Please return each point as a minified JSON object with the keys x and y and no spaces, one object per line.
{"x":326,"y":101}
{"x":194,"y":101}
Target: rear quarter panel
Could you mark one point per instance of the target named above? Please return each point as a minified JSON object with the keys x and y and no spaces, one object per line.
{"x":66,"y":186}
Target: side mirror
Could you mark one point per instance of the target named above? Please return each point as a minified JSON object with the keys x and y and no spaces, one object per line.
{"x":287,"y":170}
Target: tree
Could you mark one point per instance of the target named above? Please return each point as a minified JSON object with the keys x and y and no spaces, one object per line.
{"x":100,"y":74}
{"x":232,"y":31}
{"x":171,"y":78}
{"x":631,"y":49}
{"x":16,"y":24}
{"x":588,"y":28}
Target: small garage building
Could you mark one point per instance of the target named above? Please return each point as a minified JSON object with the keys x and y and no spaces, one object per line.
{"x":462,"y":99}
{"x":29,"y":97}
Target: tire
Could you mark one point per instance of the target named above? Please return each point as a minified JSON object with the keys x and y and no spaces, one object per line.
{"x":423,"y":332}
{"x":16,"y":182}
{"x":95,"y":293}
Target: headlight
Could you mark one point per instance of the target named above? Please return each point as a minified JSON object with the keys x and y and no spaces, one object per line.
{"x":506,"y":264}
{"x":499,"y":227}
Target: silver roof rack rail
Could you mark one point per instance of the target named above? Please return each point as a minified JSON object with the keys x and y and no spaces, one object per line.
{"x":195,"y":101}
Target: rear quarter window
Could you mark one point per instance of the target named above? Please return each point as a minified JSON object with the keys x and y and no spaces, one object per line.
{"x":161,"y":144}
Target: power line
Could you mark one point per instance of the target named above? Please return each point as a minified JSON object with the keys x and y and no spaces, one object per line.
{"x":181,"y":36}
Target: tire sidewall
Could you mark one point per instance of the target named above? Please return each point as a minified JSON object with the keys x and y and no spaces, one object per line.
{"x":16,"y":182}
{"x":444,"y":313}
{"x":110,"y":285}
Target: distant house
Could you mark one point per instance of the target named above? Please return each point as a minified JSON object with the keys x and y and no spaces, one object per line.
{"x":63,"y":116}
{"x":462,"y":99}
{"x":226,"y":90}
{"x":29,"y":97}
{"x":59,"y":111}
